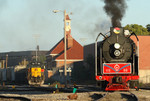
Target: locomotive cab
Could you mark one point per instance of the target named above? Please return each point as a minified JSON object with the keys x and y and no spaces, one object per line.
{"x":116,"y":60}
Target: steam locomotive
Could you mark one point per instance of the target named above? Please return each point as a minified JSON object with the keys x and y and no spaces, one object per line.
{"x":35,"y":75}
{"x":116,"y":61}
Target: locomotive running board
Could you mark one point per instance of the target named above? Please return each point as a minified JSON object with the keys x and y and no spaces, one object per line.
{"x":115,"y":87}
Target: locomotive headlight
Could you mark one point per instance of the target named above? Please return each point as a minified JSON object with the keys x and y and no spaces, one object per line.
{"x":117,"y":45}
{"x":117,"y":53}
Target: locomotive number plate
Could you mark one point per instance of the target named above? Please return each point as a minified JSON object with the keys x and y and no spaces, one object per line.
{"x":119,"y":68}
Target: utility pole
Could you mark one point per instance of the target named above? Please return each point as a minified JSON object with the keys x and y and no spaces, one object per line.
{"x":65,"y":45}
{"x":6,"y":60}
{"x":5,"y":70}
{"x":65,"y":55}
{"x":36,"y":36}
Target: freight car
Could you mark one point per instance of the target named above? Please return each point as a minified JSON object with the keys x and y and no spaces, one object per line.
{"x":35,"y":75}
{"x":116,"y":61}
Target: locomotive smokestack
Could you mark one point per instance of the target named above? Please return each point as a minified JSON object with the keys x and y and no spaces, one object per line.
{"x":116,"y":10}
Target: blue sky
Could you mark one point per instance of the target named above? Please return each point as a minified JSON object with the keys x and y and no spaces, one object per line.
{"x":21,"y":20}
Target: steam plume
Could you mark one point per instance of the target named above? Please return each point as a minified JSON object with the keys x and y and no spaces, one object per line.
{"x":116,"y":10}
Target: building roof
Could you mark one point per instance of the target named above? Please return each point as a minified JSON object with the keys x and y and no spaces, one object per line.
{"x":144,"y":54}
{"x":58,"y":48}
{"x":73,"y":53}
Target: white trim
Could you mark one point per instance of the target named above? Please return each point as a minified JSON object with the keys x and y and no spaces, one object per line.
{"x":53,"y":54}
{"x":70,"y":60}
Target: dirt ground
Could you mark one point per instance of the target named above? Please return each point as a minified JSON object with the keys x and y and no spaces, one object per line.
{"x":143,"y":95}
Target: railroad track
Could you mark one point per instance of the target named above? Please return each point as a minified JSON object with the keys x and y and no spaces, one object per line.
{"x":145,"y":88}
{"x":99,"y":97}
{"x":10,"y":98}
{"x":33,"y":89}
{"x":129,"y":96}
{"x":132,"y":96}
{"x":19,"y":91}
{"x":95,"y":93}
{"x":27,"y":88}
{"x":111,"y":96}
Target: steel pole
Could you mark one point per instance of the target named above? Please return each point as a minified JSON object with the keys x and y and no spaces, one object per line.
{"x":36,"y":55}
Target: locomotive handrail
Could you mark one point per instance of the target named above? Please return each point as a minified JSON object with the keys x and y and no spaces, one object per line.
{"x":137,"y":46}
{"x":96,"y":51}
{"x":107,"y":33}
{"x":99,"y":35}
{"x":134,"y":35}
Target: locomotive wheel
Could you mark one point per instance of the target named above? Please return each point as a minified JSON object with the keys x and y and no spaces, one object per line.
{"x":98,"y":84}
{"x":134,"y":84}
{"x":102,"y":84}
{"x":42,"y":82}
{"x":29,"y":82}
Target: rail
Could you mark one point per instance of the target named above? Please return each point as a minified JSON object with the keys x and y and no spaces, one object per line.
{"x":134,"y":96}
{"x":15,"y":98}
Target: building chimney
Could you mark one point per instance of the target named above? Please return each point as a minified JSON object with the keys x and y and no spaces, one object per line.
{"x":69,"y":41}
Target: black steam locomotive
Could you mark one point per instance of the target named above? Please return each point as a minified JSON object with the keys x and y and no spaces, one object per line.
{"x":116,"y":59}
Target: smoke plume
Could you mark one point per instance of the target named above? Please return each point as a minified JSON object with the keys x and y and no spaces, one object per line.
{"x":116,"y":10}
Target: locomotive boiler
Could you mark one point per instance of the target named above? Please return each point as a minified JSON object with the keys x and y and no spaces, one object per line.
{"x":116,"y":60}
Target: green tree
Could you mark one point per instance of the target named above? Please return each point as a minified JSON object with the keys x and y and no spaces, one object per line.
{"x":24,"y":62}
{"x":148,"y":27}
{"x":137,"y":29}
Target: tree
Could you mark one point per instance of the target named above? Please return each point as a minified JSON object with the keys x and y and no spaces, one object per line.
{"x":137,"y":29}
{"x":148,"y":27}
{"x":24,"y":62}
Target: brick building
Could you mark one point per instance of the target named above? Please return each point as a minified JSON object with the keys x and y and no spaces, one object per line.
{"x":55,"y":57}
{"x":144,"y":55}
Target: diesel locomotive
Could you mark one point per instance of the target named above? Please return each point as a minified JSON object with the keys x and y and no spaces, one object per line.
{"x":35,"y":75}
{"x":117,"y":60}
